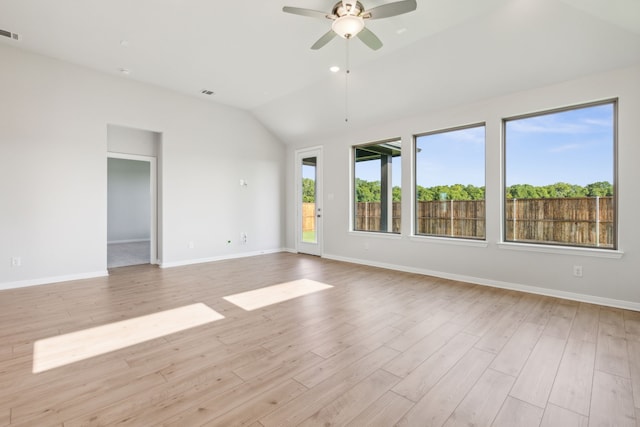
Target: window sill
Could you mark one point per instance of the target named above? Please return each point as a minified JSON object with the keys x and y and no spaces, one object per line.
{"x":562,"y":250}
{"x":376,"y":234}
{"x":450,"y":241}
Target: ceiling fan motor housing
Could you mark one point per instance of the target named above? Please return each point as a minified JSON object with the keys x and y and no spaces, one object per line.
{"x":348,"y":22}
{"x":347,"y":8}
{"x":348,"y":18}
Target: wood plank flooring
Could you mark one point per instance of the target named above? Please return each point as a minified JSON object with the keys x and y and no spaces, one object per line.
{"x":380,"y":348}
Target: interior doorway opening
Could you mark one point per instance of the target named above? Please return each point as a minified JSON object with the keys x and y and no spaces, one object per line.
{"x":133,"y":232}
{"x":129,"y":218}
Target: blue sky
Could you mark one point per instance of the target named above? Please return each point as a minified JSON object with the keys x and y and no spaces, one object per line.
{"x":455,"y":157}
{"x":308,"y":171}
{"x":574,"y":146}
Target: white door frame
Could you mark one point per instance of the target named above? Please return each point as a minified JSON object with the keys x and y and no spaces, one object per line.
{"x":153,"y":185}
{"x":306,"y":247}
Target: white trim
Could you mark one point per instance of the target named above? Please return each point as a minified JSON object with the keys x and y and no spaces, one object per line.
{"x":450,"y":241}
{"x":562,"y":250}
{"x":376,"y":234}
{"x":50,"y":280}
{"x":592,"y":299}
{"x":127,"y":156}
{"x":220,"y":258}
{"x":153,"y":184}
{"x":111,"y":242}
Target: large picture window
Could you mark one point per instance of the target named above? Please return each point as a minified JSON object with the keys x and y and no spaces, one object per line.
{"x":450,"y":183}
{"x":560,"y":177}
{"x":376,"y":186}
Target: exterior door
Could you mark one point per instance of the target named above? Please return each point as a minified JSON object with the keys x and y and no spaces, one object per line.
{"x":309,"y":201}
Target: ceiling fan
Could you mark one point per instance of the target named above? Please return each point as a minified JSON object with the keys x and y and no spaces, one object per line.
{"x":348,"y":18}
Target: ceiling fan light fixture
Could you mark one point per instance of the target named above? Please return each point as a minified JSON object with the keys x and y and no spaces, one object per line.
{"x":348,"y":26}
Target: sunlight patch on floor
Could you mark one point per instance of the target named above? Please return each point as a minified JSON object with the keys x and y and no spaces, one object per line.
{"x":263,"y":297}
{"x":64,"y":349}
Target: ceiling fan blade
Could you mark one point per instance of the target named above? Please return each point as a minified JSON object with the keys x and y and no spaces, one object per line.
{"x":326,"y":38}
{"x":390,"y":9}
{"x":306,"y":12}
{"x":370,"y":39}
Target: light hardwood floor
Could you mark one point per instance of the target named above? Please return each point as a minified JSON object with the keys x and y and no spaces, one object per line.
{"x":380,"y":348}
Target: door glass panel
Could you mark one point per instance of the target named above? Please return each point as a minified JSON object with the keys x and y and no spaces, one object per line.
{"x":309,"y":200}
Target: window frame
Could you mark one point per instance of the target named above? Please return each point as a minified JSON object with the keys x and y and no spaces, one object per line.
{"x":547,"y":246}
{"x":414,"y":200}
{"x":354,"y":198}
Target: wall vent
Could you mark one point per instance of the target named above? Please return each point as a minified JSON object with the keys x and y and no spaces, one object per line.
{"x":9,"y":34}
{"x":206,"y":92}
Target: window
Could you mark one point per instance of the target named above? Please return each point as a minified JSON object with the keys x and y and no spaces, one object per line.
{"x":450,"y":183}
{"x":560,"y":176}
{"x":376,"y":186}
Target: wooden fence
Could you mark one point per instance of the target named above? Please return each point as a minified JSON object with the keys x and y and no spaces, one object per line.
{"x":584,"y":221}
{"x":308,"y":217}
{"x":453,"y":218}
{"x":368,"y":217}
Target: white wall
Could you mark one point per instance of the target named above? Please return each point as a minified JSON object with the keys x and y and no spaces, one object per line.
{"x":128,"y":200}
{"x":121,"y":139}
{"x":613,"y":281}
{"x":53,"y":173}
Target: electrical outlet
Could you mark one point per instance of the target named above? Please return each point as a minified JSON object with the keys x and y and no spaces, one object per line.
{"x":243,"y":238}
{"x":191,"y":245}
{"x":577,"y":271}
{"x":16,"y":261}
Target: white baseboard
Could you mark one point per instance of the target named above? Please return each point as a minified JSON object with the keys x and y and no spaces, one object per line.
{"x":111,"y":242}
{"x":592,"y":299}
{"x":55,"y":279}
{"x":219,"y":258}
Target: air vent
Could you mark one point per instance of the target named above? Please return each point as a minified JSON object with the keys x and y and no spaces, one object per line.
{"x":9,"y":34}
{"x":206,"y":92}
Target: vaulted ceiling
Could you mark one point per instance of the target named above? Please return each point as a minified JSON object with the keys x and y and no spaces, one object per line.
{"x":257,"y":58}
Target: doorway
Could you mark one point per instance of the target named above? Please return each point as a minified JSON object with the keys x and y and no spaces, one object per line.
{"x":309,"y":201}
{"x":131,"y":210}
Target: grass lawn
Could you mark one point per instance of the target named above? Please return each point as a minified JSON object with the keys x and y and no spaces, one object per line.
{"x":309,"y":236}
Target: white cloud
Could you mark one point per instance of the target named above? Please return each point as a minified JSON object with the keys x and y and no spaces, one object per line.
{"x":546,"y":124}
{"x":566,"y":147}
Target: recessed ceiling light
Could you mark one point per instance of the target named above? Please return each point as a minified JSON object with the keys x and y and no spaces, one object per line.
{"x":334,"y":69}
{"x":401,"y":30}
{"x":125,"y":71}
{"x":124,"y":43}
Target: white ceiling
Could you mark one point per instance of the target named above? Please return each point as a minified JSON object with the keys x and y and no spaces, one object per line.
{"x":257,"y":58}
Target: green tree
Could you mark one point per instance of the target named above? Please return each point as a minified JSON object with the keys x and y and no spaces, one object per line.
{"x":396,"y":194}
{"x":475,"y":193}
{"x":367,"y":191}
{"x":308,"y":190}
{"x":563,"y":189}
{"x":441,"y":192}
{"x":558,"y":190}
{"x":458,"y":192}
{"x":524,"y":191}
{"x":425,"y":194}
{"x":600,"y":189}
